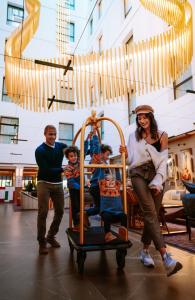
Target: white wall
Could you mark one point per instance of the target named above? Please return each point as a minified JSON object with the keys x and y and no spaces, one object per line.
{"x":43,"y":45}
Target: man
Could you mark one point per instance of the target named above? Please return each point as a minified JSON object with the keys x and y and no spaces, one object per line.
{"x":49,"y":156}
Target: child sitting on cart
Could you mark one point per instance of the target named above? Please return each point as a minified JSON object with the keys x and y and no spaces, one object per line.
{"x":72,"y":173}
{"x":106,"y":191}
{"x":111,"y":209}
{"x":100,"y":154}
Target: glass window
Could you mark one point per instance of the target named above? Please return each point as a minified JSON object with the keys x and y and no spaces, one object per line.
{"x":127,"y":7}
{"x":72,"y":32}
{"x":68,"y":97}
{"x":66,"y":132}
{"x":185,"y":82}
{"x":131,"y":107}
{"x":15,"y":14}
{"x":132,"y":97}
{"x":5,"y":181}
{"x":100,"y":44}
{"x":4,"y":93}
{"x":70,"y":4}
{"x":99,"y":9}
{"x":102,"y":126}
{"x":8,"y":130}
{"x":91,"y":26}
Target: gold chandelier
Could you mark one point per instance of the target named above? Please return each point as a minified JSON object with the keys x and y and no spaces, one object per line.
{"x":97,"y":78}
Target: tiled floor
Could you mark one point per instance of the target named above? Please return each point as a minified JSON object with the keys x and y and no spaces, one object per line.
{"x":24,"y":275}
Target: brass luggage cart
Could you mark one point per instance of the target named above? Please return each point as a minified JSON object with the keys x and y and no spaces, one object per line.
{"x":93,"y":238}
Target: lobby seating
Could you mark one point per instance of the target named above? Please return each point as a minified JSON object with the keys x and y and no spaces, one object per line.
{"x":189,"y":206}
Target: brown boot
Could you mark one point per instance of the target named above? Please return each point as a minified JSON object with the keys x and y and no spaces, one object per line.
{"x":123,"y":232}
{"x":109,"y":237}
{"x":52,"y":241}
{"x":43,"y":249}
{"x":86,"y":220}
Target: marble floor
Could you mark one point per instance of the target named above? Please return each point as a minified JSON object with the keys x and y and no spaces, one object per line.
{"x":24,"y":275}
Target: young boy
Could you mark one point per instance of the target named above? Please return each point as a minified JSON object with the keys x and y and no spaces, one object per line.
{"x":111,"y":209}
{"x":105,"y":192}
{"x":72,"y":173}
{"x":100,"y":154}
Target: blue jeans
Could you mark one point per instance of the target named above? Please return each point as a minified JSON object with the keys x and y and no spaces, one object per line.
{"x":95,"y":192}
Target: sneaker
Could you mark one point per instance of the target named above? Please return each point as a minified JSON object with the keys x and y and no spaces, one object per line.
{"x":43,"y":249}
{"x":146,"y":259}
{"x":123,"y":233}
{"x":52,"y":241}
{"x":171,"y":265}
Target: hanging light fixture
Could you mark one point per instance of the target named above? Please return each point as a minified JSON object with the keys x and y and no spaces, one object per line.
{"x":98,"y":79}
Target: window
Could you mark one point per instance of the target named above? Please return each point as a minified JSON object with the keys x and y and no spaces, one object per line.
{"x":185,"y":82}
{"x":100,"y":44}
{"x":71,"y":32}
{"x":5,"y":97}
{"x":66,"y":132}
{"x":91,"y":26}
{"x":15,"y":14}
{"x":99,"y":9}
{"x":131,"y":106}
{"x":8,"y":130}
{"x":100,"y":115}
{"x":68,"y":97}
{"x":5,"y":181}
{"x":128,"y":44}
{"x":70,"y":4}
{"x":127,"y":7}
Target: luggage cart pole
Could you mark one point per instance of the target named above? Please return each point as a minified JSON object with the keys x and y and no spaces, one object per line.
{"x":82,"y":182}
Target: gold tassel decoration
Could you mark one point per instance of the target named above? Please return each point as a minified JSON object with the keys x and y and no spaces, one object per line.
{"x":98,"y":79}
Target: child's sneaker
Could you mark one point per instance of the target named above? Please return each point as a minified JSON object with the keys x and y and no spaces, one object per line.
{"x":123,"y":232}
{"x":171,"y":265}
{"x":109,"y":237}
{"x":146,"y":259}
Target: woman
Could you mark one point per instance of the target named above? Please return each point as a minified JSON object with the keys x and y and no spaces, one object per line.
{"x":147,"y":154}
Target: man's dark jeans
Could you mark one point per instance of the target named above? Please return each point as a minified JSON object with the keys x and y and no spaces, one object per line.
{"x":45,"y":191}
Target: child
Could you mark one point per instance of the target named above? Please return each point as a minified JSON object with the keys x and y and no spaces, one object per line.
{"x":111,"y":209}
{"x":100,"y":154}
{"x":72,"y":173}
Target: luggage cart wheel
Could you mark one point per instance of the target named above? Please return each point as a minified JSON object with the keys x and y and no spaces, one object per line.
{"x":81,"y":256}
{"x":71,"y":247}
{"x":120,"y":258}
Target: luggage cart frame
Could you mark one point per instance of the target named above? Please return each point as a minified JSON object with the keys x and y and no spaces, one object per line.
{"x":83,"y":241}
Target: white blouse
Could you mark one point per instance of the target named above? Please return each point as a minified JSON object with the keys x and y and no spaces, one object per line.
{"x":140,"y":152}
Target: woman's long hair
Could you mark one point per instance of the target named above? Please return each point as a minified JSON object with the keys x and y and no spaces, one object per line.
{"x":153,"y":127}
